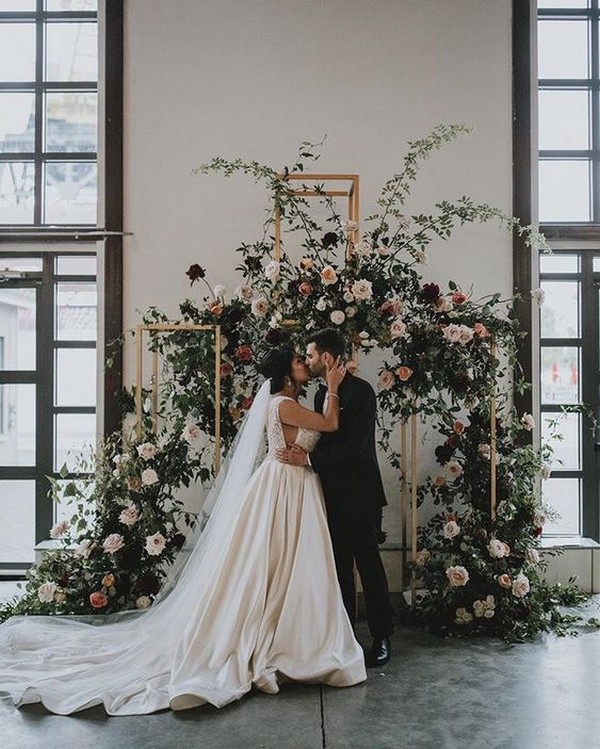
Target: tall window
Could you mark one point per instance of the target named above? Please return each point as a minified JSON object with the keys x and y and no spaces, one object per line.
{"x":569,"y":212}
{"x":59,"y":233}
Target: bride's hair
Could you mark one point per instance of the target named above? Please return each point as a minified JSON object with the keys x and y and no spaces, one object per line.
{"x":276,"y":364}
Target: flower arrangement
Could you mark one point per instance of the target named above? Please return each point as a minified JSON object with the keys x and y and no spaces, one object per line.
{"x":481,"y":570}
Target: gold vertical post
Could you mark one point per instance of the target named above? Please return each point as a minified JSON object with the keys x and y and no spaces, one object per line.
{"x":155,"y":389}
{"x":217,"y":398}
{"x":414,"y":509}
{"x":403,"y":503}
{"x":277,"y":234}
{"x":138,"y":391}
{"x":493,"y":488}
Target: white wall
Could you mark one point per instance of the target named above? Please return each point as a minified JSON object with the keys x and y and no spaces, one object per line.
{"x":253,"y":78}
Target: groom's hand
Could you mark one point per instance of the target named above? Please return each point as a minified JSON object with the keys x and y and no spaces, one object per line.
{"x":293,"y":456}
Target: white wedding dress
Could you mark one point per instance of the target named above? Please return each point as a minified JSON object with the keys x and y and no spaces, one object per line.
{"x":258,"y":604}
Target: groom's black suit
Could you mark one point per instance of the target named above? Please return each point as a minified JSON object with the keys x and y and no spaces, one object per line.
{"x":346,"y":462}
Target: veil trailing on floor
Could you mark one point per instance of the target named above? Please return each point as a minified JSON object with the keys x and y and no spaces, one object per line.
{"x":123,"y":658}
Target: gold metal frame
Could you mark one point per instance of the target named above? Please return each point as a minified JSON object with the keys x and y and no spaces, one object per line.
{"x":351,"y":192}
{"x":165,"y":328}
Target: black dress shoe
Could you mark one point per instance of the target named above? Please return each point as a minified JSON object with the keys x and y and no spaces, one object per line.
{"x":380,"y":652}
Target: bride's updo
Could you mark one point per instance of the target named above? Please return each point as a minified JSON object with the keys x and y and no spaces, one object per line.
{"x":276,"y":364}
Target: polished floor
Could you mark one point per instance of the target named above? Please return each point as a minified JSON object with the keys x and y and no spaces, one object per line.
{"x":435,"y":693}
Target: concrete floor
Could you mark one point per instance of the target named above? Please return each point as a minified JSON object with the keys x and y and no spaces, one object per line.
{"x":435,"y":693}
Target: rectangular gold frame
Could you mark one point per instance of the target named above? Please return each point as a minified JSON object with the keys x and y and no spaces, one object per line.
{"x":165,"y":328}
{"x":351,"y":192}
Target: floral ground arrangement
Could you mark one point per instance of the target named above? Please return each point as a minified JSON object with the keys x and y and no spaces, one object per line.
{"x":480,"y":569}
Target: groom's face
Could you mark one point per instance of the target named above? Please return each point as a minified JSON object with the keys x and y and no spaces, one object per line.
{"x":315,"y":361}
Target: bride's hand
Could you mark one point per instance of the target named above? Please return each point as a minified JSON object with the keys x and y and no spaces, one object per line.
{"x":334,"y":374}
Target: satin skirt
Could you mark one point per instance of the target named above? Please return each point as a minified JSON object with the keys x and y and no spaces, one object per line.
{"x":264,"y":608}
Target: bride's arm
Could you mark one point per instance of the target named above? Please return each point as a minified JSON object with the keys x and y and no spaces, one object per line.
{"x":294,"y":414}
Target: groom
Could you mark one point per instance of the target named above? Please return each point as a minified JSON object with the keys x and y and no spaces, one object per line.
{"x":346,"y":462}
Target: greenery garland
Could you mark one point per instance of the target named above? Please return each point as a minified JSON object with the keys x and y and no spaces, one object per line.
{"x":481,"y":575}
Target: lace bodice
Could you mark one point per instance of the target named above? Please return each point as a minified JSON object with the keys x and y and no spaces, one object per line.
{"x":306,"y":438}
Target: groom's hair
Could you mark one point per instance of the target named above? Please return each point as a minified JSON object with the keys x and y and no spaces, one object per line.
{"x":330,"y":340}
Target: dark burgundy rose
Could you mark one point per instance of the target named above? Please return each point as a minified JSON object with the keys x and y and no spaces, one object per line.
{"x":452,"y":441}
{"x":330,"y":240}
{"x":430,"y":292}
{"x":461,"y":382}
{"x":194,"y":272}
{"x":443,"y":453}
{"x":149,"y":584}
{"x":253,"y":263}
{"x":480,"y":534}
{"x":274,"y":337}
{"x":178,"y":540}
{"x":294,"y":285}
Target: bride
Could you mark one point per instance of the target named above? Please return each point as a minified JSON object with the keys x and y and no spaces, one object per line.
{"x":256,"y":603}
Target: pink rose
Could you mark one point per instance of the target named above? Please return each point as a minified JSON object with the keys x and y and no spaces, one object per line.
{"x":459,"y":297}
{"x":305,"y":289}
{"x":98,"y":600}
{"x":243,"y":353}
{"x":386,"y":380}
{"x":458,"y":576}
{"x":520,"y":586}
{"x":504,"y":581}
{"x":480,"y":330}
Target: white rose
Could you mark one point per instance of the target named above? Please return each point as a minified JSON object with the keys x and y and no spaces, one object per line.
{"x":422,"y":557}
{"x":538,"y":296}
{"x":113,"y":543}
{"x":540,"y":519}
{"x":348,"y":296}
{"x":363,"y":248}
{"x":84,"y":549}
{"x":143,"y":602}
{"x":451,"y":529}
{"x":259,"y":306}
{"x":272,"y":270}
{"x":219,"y":291}
{"x":149,"y":477}
{"x":46,"y":591}
{"x":362,"y":289}
{"x":245,"y":294}
{"x":465,"y":334}
{"x":349,"y":226}
{"x":155,"y":544}
{"x":129,"y":515}
{"x":453,"y":469}
{"x":337,"y":317}
{"x":458,"y":576}
{"x":118,"y":459}
{"x":520,"y":586}
{"x":497,"y":548}
{"x":444,"y":304}
{"x":397,"y":328}
{"x":485,"y":609}
{"x":191,"y":434}
{"x":485,"y":451}
{"x":527,"y":422}
{"x":451,"y":333}
{"x":532,"y":556}
{"x":58,"y":529}
{"x":462,"y":616}
{"x":350,"y":311}
{"x":321,"y":304}
{"x":384,"y":250}
{"x":147,"y":450}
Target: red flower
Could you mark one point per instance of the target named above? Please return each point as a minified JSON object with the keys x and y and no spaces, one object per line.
{"x":247,"y":402}
{"x":305,"y":288}
{"x":226,"y":369}
{"x":459,"y":297}
{"x":194,"y":272}
{"x":243,"y":353}
{"x":98,"y":600}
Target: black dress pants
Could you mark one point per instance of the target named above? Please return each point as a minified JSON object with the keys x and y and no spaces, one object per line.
{"x":354,"y":540}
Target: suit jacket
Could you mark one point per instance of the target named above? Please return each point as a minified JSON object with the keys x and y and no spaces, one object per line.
{"x":346,"y":460}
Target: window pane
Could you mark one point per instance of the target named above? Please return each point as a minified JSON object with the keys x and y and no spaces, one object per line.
{"x":75,"y":377}
{"x":26,"y":264}
{"x":560,"y":311}
{"x":562,"y":495}
{"x":16,"y":192}
{"x":71,"y":192}
{"x":17,"y":113}
{"x":560,"y":375}
{"x":565,"y":190}
{"x":71,"y":52}
{"x":563,"y":48}
{"x":71,"y":122}
{"x":17,"y":328}
{"x":563,"y":4}
{"x":17,"y":52}
{"x":566,"y":456}
{"x":76,"y":265}
{"x":71,"y":4}
{"x":76,"y":311}
{"x":73,"y":434}
{"x":559,"y":263}
{"x":17,"y":529}
{"x":17,"y":425}
{"x":564,"y":120}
